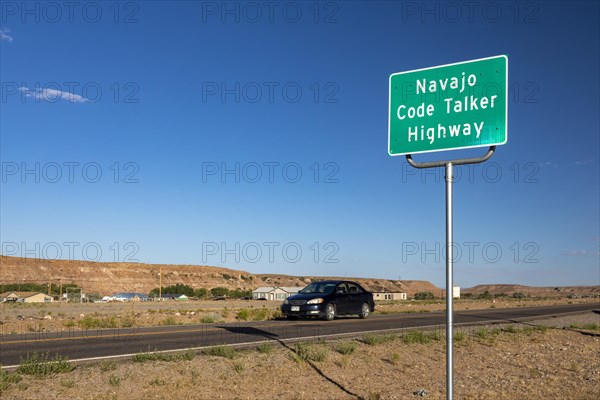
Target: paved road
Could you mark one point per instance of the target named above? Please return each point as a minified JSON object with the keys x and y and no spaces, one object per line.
{"x":117,"y":342}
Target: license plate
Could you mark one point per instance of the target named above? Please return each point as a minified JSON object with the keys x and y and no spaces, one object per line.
{"x":295,"y":308}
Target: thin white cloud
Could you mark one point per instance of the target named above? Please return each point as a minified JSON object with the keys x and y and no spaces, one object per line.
{"x":4,"y":35}
{"x":547,"y":164}
{"x":580,"y":253}
{"x":53,"y":95}
{"x":583,"y":162}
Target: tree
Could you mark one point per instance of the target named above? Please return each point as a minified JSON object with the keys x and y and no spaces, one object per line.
{"x":239,"y":293}
{"x":33,"y":287}
{"x":424,"y":296}
{"x":485,"y":295}
{"x":201,"y":293}
{"x":178,"y":288}
{"x":219,"y":291}
{"x":92,"y":297}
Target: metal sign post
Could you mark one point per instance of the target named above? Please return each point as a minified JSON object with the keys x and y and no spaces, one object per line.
{"x":449,"y":284}
{"x":449,"y":165}
{"x":455,"y":106}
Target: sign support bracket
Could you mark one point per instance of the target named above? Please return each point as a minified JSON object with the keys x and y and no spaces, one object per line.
{"x":449,"y":164}
{"x":461,"y":161}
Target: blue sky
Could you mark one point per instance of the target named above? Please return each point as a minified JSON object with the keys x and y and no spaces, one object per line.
{"x":127,"y":115}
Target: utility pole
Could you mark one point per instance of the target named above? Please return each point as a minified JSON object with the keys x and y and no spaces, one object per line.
{"x":60,"y":295}
{"x":159,"y":283}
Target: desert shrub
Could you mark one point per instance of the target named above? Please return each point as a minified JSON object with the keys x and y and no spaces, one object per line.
{"x":346,"y":348}
{"x":253,"y":314}
{"x":591,"y":327}
{"x":67,"y":383}
{"x":209,"y":319}
{"x":373,"y":340}
{"x":511,"y":329}
{"x":8,"y":378}
{"x":108,"y":366}
{"x":238,"y":367}
{"x":243,"y":314}
{"x":225,"y":312}
{"x":42,"y":364}
{"x":170,"y":357}
{"x":94,"y":322}
{"x":481,"y":333}
{"x":221,"y":351}
{"x":114,"y":380}
{"x":309,"y":352}
{"x":276,"y":314}
{"x":416,"y":337}
{"x":459,"y":337}
{"x":260,"y":314}
{"x":127,"y":321}
{"x":265,"y":347}
{"x":169,"y":321}
{"x":424,"y":296}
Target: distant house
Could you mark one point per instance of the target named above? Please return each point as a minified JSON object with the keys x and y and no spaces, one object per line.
{"x":124,"y":297}
{"x":389,"y":296}
{"x":274,"y":292}
{"x":172,"y":296}
{"x":456,"y":292}
{"x":25,"y":297}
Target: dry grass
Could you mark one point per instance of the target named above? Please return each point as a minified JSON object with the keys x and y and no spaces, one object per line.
{"x":513,"y":362}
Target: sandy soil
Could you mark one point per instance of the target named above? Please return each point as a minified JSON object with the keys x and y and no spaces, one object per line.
{"x":39,"y":317}
{"x":517,"y":362}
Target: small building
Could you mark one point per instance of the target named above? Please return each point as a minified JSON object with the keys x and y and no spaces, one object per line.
{"x":124,"y":297}
{"x":25,"y":297}
{"x":456,"y":292}
{"x":172,"y":296}
{"x":292,"y":290}
{"x":389,"y":296}
{"x":274,"y":293}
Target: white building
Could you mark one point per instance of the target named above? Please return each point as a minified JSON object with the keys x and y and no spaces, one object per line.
{"x":456,"y":292}
{"x":389,"y":296}
{"x":274,"y":293}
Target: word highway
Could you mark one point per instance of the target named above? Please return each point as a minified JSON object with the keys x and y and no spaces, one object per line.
{"x":460,"y":104}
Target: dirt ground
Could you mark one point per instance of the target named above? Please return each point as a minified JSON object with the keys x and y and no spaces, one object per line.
{"x":532,"y":360}
{"x":45,"y":317}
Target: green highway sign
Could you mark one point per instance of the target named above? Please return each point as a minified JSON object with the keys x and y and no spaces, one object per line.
{"x":449,"y":107}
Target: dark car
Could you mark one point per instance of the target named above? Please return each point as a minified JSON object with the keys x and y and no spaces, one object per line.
{"x":328,"y":299}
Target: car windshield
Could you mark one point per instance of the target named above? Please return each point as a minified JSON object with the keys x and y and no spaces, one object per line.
{"x":325,"y":288}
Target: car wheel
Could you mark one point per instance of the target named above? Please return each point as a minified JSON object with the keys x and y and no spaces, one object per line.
{"x":330,"y":312}
{"x":364,"y":311}
{"x":291,"y":317}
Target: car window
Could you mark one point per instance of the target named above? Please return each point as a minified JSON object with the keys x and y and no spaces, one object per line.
{"x":326,"y":288}
{"x":342,"y":288}
{"x":352,"y":288}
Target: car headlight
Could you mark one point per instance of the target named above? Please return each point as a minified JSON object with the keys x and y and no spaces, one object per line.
{"x":315,"y":301}
{"x":286,"y":301}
